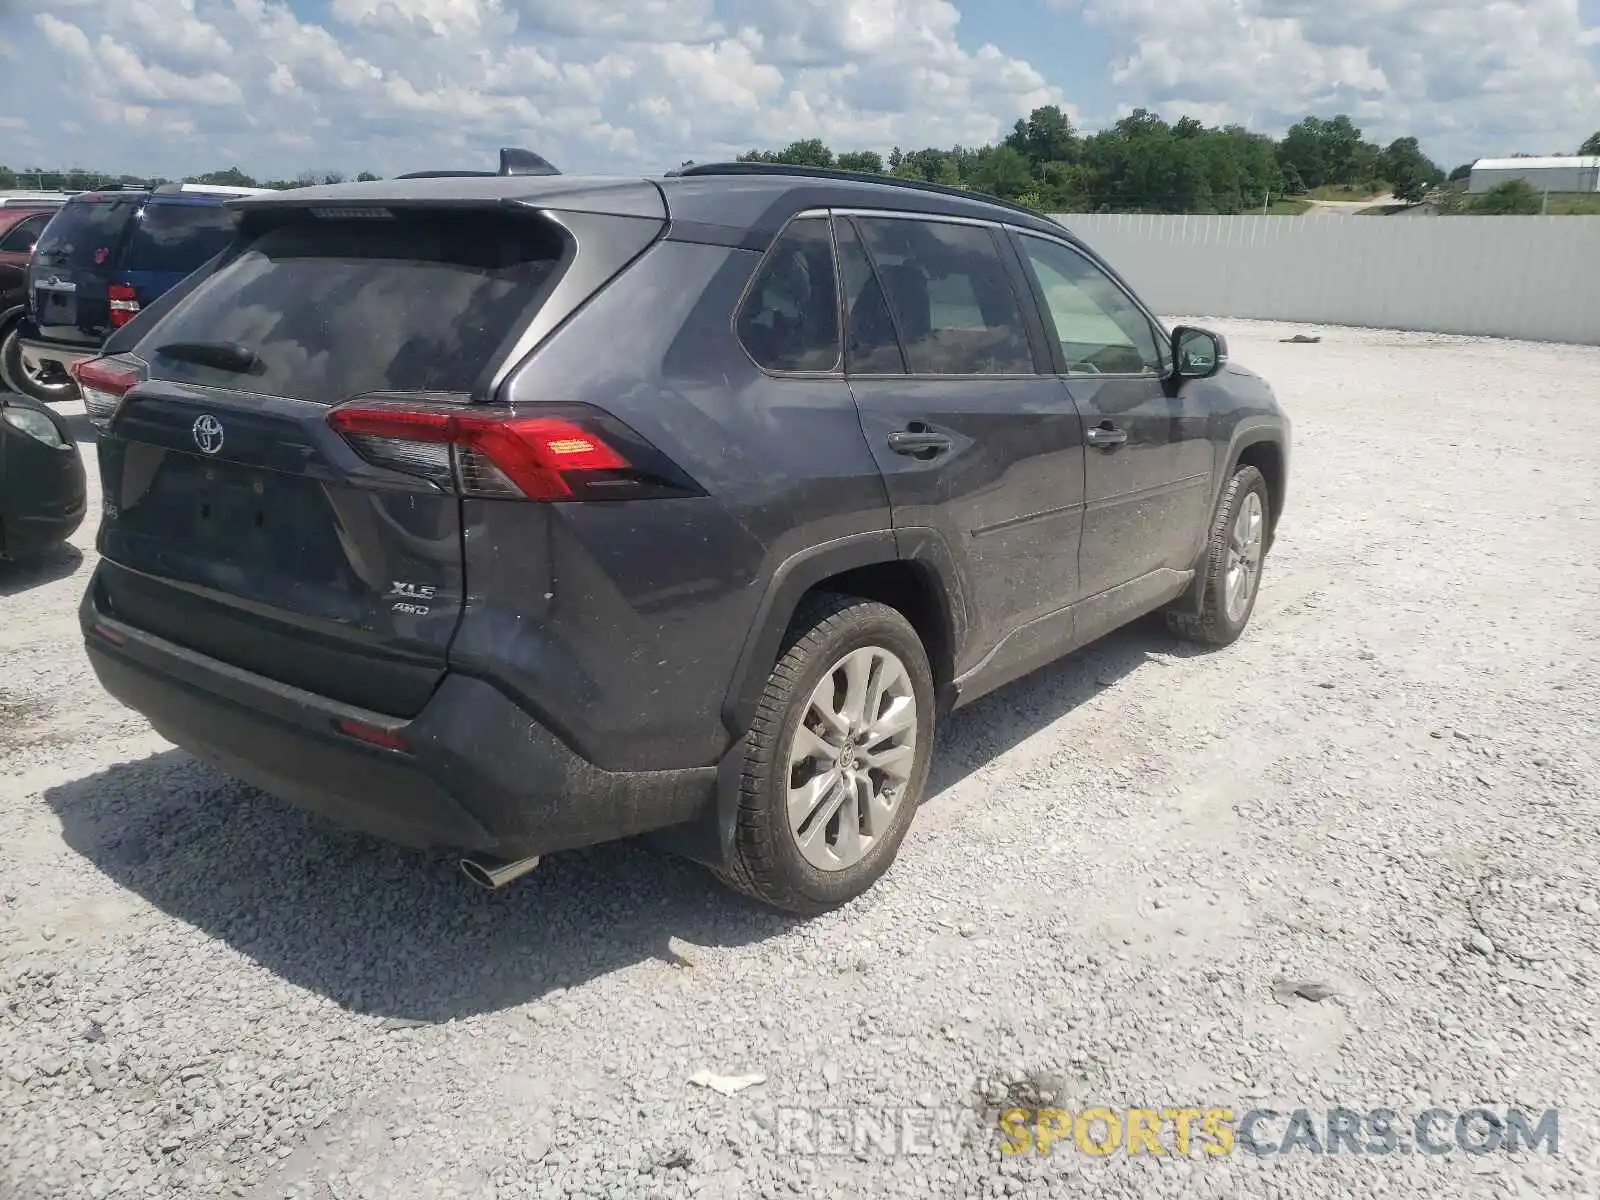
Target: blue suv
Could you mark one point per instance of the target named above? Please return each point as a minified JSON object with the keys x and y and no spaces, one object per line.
{"x":103,"y":257}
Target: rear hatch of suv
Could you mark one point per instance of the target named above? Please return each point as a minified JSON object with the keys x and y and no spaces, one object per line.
{"x":283,"y":490}
{"x":70,"y":275}
{"x":103,"y":258}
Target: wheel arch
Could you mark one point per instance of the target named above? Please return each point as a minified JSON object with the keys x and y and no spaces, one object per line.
{"x":909,"y":574}
{"x":1259,"y":445}
{"x":1266,"y":454}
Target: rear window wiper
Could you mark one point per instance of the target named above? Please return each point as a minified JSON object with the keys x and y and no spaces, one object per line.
{"x":221,"y":356}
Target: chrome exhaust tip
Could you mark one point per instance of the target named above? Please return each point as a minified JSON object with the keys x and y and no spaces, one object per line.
{"x":494,"y":873}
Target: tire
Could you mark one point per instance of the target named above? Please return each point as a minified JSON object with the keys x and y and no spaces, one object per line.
{"x":1219,"y":623}
{"x":832,"y":635}
{"x":16,"y":377}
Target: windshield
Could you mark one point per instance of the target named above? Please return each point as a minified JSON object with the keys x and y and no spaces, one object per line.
{"x":85,"y":233}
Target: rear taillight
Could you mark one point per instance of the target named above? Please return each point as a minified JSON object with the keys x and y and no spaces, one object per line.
{"x":502,"y":454}
{"x":124,"y":304}
{"x":103,"y":382}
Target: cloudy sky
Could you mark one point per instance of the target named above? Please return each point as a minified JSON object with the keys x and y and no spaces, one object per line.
{"x":281,"y":86}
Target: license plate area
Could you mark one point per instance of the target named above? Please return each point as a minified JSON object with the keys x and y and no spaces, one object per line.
{"x":230,"y":514}
{"x":57,"y":303}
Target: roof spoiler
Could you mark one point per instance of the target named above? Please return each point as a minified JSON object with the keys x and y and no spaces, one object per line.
{"x":513,"y":161}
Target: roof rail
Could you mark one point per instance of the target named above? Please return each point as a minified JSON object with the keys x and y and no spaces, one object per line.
{"x":915,"y":185}
{"x":30,"y":199}
{"x":513,"y":161}
{"x":207,"y":189}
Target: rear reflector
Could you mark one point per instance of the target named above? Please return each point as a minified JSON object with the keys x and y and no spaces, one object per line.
{"x":373,"y":735}
{"x":103,"y":382}
{"x":106,"y":632}
{"x":124,"y":304}
{"x":486,"y":453}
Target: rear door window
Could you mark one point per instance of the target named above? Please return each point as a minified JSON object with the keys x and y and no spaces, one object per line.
{"x":790,"y":318}
{"x":952,"y":299}
{"x":331,"y":309}
{"x":19,"y":239}
{"x":178,"y":237}
{"x":85,"y":233}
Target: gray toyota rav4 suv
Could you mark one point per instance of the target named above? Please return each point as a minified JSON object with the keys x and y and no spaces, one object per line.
{"x":515,"y":513}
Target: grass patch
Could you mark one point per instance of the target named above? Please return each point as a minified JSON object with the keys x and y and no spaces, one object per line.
{"x":1343,"y":191}
{"x":1381,"y":210}
{"x":1574,"y":204}
{"x":1288,"y":206}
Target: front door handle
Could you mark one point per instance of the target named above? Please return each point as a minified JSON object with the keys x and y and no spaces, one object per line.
{"x":1106,"y":436}
{"x":919,"y":443}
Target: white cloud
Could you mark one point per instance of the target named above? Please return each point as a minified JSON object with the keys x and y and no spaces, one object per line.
{"x":390,"y":85}
{"x":1467,"y":76}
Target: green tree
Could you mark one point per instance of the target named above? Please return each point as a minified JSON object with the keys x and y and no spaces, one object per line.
{"x":1464,"y":171}
{"x":1327,"y":151}
{"x":1592,"y":146}
{"x":1514,"y":197}
{"x":366,"y":177}
{"x":1046,"y":136}
{"x":862,"y":160}
{"x":925,"y":164}
{"x":811,"y":152}
{"x":1409,"y":171}
{"x":1002,"y":171}
{"x":232,"y":177}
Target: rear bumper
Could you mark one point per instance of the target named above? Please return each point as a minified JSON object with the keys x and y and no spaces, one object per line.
{"x":479,"y":774}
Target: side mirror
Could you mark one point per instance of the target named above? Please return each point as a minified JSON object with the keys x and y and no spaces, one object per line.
{"x":1198,"y":353}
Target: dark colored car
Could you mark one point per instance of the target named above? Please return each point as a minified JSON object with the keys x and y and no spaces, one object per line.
{"x":42,"y":483}
{"x":23,"y":217}
{"x":520,"y":514}
{"x":102,"y":258}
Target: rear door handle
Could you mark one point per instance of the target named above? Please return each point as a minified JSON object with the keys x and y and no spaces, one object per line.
{"x":919,"y":443}
{"x":1106,"y":436}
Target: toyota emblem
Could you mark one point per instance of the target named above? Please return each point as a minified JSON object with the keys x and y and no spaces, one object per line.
{"x":208,"y":434}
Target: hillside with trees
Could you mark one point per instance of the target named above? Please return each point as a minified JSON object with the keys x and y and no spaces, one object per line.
{"x":1141,"y":164}
{"x":1144,"y":164}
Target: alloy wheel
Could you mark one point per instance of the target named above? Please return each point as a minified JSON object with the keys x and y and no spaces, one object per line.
{"x":851,"y":757}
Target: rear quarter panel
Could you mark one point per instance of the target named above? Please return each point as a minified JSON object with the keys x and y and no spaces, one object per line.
{"x":622,"y":623}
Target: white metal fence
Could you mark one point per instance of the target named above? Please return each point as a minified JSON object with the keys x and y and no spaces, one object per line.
{"x":1523,"y":277}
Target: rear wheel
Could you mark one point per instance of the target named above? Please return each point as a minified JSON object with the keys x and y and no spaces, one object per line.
{"x":1235,"y":554}
{"x":52,"y":388}
{"x":836,"y":759}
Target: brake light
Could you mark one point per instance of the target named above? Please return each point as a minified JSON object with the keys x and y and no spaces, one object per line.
{"x":103,"y":382}
{"x":496,"y":454}
{"x":124,"y":304}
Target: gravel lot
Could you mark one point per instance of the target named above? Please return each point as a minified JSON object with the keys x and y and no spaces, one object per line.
{"x":1389,"y":786}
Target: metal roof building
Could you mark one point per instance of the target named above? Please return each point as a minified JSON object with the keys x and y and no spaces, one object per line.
{"x":1565,"y":174}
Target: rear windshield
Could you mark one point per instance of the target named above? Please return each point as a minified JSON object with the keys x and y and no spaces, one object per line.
{"x":85,"y":233}
{"x":178,"y":237}
{"x":335,"y":308}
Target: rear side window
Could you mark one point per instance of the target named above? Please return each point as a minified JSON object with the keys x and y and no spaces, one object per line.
{"x":870,"y":344}
{"x":19,"y":239}
{"x":331,"y":309}
{"x":790,"y":318}
{"x":85,"y":233}
{"x":952,"y":299}
{"x":178,"y":237}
